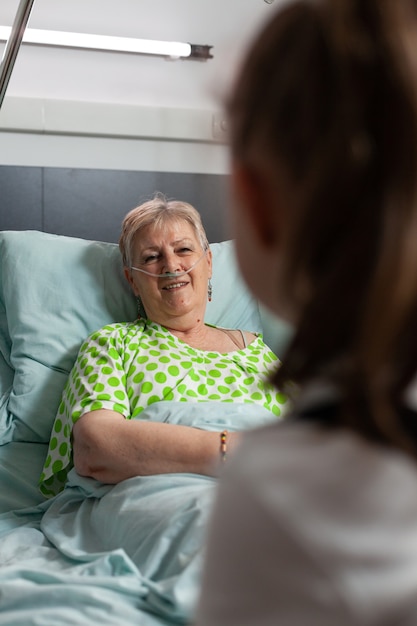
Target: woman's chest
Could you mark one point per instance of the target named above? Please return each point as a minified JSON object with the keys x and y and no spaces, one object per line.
{"x":158,"y":370}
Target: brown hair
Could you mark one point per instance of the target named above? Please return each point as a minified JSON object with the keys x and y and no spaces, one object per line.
{"x":328,"y":95}
{"x":158,"y":211}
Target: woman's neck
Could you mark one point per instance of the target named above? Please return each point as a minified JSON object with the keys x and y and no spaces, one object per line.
{"x":197,"y":336}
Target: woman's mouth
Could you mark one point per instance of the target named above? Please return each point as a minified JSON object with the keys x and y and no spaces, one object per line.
{"x":174,"y":286}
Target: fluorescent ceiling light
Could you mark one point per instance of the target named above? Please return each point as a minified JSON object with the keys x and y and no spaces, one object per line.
{"x":101,"y":42}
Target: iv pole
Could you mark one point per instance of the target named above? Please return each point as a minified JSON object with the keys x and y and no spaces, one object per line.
{"x":13,"y":45}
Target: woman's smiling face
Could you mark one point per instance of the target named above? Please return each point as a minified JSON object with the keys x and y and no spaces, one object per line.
{"x":174,"y":302}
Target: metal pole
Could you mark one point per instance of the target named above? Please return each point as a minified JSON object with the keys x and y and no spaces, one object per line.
{"x":13,"y":45}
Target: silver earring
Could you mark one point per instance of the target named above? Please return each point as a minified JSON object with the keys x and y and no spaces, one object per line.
{"x":209,"y":290}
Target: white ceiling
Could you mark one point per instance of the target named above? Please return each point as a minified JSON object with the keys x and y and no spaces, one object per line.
{"x":93,"y":76}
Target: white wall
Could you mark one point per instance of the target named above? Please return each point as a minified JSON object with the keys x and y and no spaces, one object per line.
{"x":76,"y":108}
{"x":58,"y":133}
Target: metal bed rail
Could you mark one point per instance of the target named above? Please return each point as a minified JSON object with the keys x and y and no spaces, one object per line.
{"x":13,"y":44}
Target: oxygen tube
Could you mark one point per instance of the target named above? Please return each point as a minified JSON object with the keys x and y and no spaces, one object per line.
{"x":170,"y":274}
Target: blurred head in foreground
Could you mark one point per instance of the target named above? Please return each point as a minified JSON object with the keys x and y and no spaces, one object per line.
{"x":323,"y":131}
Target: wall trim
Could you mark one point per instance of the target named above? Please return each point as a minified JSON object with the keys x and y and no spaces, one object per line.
{"x":58,"y":133}
{"x":67,"y":117}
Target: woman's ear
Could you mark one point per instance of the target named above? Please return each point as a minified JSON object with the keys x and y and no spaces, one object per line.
{"x":253,"y":193}
{"x":128,"y":275}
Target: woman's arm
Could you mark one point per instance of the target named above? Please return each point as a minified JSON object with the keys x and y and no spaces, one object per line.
{"x":110,"y":448}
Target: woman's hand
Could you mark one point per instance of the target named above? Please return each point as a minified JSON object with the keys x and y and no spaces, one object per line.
{"x":110,"y":448}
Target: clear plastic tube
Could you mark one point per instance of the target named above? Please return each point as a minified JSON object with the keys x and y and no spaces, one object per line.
{"x":170,"y":274}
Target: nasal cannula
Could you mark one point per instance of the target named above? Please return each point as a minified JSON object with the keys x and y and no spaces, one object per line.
{"x":170,"y":274}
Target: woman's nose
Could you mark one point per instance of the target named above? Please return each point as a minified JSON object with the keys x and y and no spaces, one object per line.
{"x":171,"y":264}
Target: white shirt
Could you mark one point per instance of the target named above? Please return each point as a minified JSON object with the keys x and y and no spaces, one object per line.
{"x":312,"y":527}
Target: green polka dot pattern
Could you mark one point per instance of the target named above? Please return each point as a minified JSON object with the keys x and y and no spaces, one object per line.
{"x":126,"y":367}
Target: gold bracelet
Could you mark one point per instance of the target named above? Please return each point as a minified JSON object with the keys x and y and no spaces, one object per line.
{"x":223,"y":445}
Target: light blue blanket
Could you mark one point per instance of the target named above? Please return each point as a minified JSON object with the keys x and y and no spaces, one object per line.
{"x":126,"y":554}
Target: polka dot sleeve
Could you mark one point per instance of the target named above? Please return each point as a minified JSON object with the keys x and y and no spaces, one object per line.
{"x":97,"y":381}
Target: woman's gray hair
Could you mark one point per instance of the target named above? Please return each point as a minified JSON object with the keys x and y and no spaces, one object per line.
{"x":158,"y":211}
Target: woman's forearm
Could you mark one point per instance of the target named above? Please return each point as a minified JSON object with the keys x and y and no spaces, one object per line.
{"x":110,"y":448}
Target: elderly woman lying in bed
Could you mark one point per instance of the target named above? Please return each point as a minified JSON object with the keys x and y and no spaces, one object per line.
{"x":168,"y":353}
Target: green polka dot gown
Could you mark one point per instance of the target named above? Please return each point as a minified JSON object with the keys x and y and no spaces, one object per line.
{"x":126,"y":367}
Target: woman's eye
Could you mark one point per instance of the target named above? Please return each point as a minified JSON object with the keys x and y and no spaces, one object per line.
{"x":151,"y":259}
